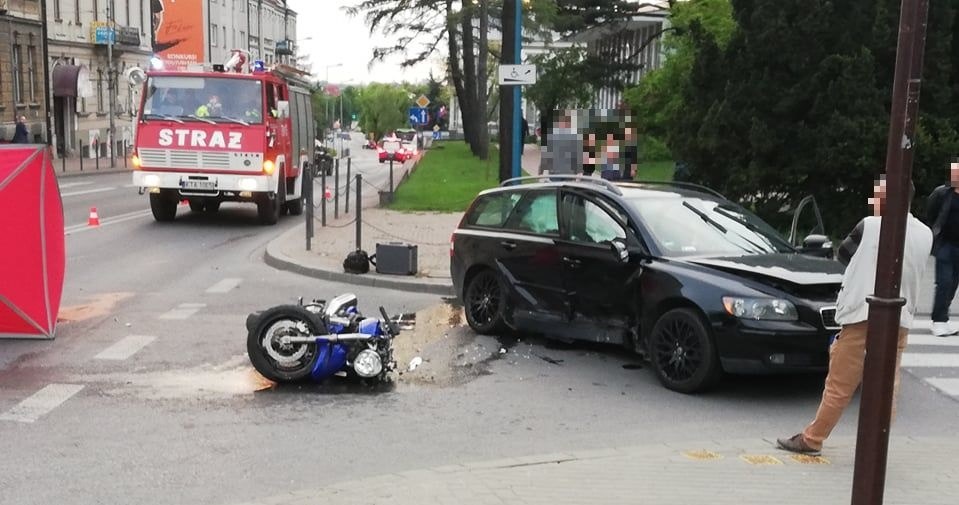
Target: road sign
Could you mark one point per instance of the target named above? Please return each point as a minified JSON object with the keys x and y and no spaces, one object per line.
{"x":419,"y":116}
{"x":422,"y":101}
{"x":511,"y":75}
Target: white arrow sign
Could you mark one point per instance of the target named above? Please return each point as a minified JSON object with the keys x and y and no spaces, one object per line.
{"x":511,"y":75}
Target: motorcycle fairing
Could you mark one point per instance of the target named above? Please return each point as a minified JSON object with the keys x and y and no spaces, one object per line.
{"x":331,"y":358}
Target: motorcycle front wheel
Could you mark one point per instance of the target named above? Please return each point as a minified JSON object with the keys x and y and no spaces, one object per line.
{"x":281,"y":361}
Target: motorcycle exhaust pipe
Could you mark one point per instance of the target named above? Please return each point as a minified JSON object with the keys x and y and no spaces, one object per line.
{"x":309,"y":339}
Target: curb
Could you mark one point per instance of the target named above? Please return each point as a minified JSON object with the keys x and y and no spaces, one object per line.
{"x":276,"y":259}
{"x":60,"y":174}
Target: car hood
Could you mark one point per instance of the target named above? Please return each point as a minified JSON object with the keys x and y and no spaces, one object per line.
{"x":797,"y":269}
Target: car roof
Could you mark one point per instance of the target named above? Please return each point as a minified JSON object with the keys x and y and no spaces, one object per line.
{"x":628,"y":190}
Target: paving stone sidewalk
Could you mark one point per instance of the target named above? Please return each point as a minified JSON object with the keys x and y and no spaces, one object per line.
{"x":920,"y":471}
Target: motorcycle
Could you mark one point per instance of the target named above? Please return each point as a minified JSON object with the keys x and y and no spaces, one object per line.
{"x":370,"y":145}
{"x":322,"y":162}
{"x":289,"y":343}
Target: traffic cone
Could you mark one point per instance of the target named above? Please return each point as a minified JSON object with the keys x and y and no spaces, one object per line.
{"x":94,"y":219}
{"x":328,"y":194}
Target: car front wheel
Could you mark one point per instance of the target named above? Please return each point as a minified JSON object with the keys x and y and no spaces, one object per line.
{"x":683,"y":352}
{"x":485,"y":300}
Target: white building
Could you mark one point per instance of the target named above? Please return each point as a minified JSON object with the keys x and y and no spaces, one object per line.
{"x":79,"y":65}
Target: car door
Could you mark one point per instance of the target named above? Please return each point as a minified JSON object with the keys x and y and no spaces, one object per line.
{"x":807,"y":233}
{"x":598,"y":280}
{"x":530,"y":260}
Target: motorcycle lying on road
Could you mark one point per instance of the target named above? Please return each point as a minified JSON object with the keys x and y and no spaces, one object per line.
{"x":320,"y":339}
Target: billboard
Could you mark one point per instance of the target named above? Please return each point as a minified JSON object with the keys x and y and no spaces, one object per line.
{"x":177,"y":32}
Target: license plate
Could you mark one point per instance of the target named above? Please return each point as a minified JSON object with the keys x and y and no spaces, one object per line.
{"x":191,"y":184}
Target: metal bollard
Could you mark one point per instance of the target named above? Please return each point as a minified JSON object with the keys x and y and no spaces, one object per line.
{"x":63,"y":162}
{"x":336,"y":189}
{"x":97,"y":159}
{"x":359,"y":211}
{"x":308,"y":202}
{"x":346,"y":206}
{"x":391,"y":176}
{"x":81,"y":155}
{"x":323,"y":194}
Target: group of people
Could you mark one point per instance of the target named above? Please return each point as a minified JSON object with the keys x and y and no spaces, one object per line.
{"x":598,"y":145}
{"x":859,"y":253}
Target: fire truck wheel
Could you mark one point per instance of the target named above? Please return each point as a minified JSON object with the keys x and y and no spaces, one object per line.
{"x":295,"y":207}
{"x":269,"y":211}
{"x":196,"y":205}
{"x":211,"y":206}
{"x":163,"y":205}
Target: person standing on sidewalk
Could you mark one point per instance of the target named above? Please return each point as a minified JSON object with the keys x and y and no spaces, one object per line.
{"x":859,"y":252}
{"x":20,"y":134}
{"x":942,"y":212}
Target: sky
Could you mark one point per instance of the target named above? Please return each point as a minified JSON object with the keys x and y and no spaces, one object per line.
{"x":336,"y":38}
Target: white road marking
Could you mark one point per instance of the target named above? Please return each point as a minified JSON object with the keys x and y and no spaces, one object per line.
{"x":948,"y":386}
{"x":184,"y":311}
{"x":932,"y":340}
{"x":87,"y":191}
{"x":930,"y":360}
{"x":126,"y":347}
{"x":224,"y":286}
{"x":64,"y":185}
{"x":69,"y":230}
{"x":40,"y":403}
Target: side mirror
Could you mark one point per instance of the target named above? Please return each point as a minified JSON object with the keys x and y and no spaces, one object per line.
{"x":283,"y":109}
{"x":620,"y":250}
{"x":817,"y":245}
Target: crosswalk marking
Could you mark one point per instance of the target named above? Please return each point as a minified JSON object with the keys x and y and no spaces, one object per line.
{"x":183,"y":311}
{"x":224,"y":286}
{"x":40,"y":403}
{"x":65,"y":185}
{"x":930,"y":360}
{"x":125,"y":348}
{"x":920,"y":339}
{"x":86,"y":191}
{"x":949,"y":386}
{"x":933,"y":360}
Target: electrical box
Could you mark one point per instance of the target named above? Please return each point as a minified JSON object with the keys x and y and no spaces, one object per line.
{"x":396,"y":258}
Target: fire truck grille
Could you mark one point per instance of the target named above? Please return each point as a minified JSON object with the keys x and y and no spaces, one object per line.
{"x":167,"y":158}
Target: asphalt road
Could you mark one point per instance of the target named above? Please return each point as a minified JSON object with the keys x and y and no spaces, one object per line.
{"x":147,"y":396}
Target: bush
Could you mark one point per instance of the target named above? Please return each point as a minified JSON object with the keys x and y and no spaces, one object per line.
{"x":653,"y":149}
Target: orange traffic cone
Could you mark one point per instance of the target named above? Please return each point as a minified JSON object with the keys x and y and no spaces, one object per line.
{"x":328,"y":194}
{"x":94,"y":219}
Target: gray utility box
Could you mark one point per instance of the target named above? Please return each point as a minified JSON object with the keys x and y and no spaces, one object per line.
{"x":396,"y":258}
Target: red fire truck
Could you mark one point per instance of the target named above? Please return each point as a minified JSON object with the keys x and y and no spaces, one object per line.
{"x":224,"y":134}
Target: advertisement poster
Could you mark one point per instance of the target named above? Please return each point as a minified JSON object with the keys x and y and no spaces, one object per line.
{"x":178,"y":32}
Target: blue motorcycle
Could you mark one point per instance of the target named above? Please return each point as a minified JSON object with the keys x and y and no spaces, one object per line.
{"x":320,"y":339}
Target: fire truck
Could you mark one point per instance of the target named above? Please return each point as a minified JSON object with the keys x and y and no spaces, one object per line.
{"x":227,"y":133}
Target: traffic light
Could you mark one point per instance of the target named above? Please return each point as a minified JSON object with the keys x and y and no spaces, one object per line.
{"x":353,"y":116}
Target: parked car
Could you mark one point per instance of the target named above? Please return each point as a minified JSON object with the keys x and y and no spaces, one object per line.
{"x":400,"y":150}
{"x":693,"y":282}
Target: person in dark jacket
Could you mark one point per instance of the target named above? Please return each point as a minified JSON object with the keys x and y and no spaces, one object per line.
{"x":21,"y":135}
{"x":942,"y":213}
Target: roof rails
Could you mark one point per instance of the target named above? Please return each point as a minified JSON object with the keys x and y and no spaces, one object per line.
{"x":680,"y":184}
{"x":588,"y":179}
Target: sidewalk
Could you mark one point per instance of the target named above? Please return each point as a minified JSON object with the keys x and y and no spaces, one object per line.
{"x":429,"y":231}
{"x":70,"y":167}
{"x":920,"y":471}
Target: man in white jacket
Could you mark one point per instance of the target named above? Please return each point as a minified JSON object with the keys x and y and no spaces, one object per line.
{"x":859,"y":253}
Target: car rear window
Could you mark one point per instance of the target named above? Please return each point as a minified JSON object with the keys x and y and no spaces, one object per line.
{"x":493,"y":210}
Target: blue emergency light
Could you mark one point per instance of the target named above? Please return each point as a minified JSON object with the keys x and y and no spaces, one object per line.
{"x":259,"y":67}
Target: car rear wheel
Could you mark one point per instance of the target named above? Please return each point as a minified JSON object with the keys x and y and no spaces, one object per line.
{"x":683,"y":352}
{"x":485,"y":299}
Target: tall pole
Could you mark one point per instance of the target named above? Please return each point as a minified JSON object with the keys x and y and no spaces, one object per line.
{"x":111,"y":135}
{"x":46,"y":72}
{"x":872,"y":444}
{"x":507,"y":96}
{"x":518,"y":93}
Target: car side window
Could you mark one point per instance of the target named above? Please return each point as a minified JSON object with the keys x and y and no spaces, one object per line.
{"x":493,"y":210}
{"x":590,"y":223}
{"x":536,"y":213}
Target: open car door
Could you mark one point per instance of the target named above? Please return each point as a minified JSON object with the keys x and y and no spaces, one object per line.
{"x":807,"y":233}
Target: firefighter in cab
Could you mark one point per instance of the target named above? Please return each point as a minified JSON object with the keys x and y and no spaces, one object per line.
{"x":212,"y":107}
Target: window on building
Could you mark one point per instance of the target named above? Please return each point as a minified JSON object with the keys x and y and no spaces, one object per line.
{"x":225,"y":42}
{"x":56,"y":10}
{"x":76,"y":12}
{"x":96,"y":10}
{"x":17,"y":72}
{"x":32,"y":73}
{"x":100,"y":90}
{"x":213,"y":32}
{"x":128,"y":12}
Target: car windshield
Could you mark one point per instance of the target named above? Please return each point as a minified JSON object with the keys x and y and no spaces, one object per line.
{"x":686,"y":226}
{"x":209,"y":99}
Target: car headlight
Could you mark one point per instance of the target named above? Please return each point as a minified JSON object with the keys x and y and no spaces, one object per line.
{"x":368,"y":364}
{"x":768,"y":309}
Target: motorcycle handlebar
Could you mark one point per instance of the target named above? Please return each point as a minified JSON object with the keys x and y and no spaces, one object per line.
{"x":389,"y":322}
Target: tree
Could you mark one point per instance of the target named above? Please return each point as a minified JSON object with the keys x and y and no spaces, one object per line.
{"x":382,"y":107}
{"x":564,"y":81}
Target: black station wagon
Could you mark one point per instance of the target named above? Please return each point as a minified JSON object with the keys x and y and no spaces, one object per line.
{"x":693,"y":282}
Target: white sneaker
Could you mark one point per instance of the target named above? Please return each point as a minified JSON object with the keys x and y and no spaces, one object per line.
{"x":943,"y":329}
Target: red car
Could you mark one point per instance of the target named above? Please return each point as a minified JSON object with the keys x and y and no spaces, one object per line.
{"x":400,"y":155}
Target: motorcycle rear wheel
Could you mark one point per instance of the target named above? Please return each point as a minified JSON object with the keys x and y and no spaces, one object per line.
{"x":284,"y":362}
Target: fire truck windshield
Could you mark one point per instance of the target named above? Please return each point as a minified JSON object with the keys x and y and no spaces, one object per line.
{"x":208,"y":99}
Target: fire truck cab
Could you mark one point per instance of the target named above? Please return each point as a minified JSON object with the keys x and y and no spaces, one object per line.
{"x":214,"y":136}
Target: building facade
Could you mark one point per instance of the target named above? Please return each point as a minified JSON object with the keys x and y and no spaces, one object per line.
{"x":21,"y":69}
{"x":264,"y":28}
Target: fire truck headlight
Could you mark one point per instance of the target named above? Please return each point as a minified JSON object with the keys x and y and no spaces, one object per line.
{"x":268,"y":167}
{"x":247,"y":184}
{"x":135,"y":161}
{"x":151,"y":181}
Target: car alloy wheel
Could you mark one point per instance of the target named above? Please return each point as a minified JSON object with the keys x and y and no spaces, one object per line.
{"x":683,"y":353}
{"x":485,"y":303}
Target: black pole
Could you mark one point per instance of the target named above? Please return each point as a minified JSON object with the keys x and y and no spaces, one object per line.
{"x":879,"y":373}
{"x":46,"y":71}
{"x":346,"y":206}
{"x":336,"y":189}
{"x":391,"y":175}
{"x":506,"y":96}
{"x":81,"y":153}
{"x":96,"y":160}
{"x":63,"y":162}
{"x":323,"y":194}
{"x":359,"y":211}
{"x":308,"y":202}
